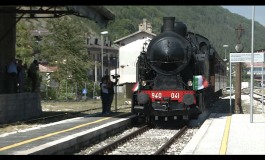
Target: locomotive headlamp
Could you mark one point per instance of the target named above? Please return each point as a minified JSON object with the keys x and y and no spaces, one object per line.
{"x":189,"y":83}
{"x":143,"y":83}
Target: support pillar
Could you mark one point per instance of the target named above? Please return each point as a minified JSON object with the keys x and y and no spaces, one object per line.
{"x":7,"y":44}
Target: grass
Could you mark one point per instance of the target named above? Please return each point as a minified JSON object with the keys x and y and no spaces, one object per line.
{"x":79,"y":105}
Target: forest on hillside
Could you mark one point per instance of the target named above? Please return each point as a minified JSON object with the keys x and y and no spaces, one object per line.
{"x":214,"y":22}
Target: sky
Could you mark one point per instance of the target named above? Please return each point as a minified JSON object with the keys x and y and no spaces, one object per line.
{"x":246,"y":11}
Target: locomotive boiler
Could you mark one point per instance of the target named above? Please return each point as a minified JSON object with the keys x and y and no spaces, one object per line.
{"x":176,"y":73}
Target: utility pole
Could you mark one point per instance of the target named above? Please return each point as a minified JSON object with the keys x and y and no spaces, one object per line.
{"x":239,"y":48}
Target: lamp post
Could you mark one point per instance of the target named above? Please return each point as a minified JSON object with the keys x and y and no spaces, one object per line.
{"x":225,"y":60}
{"x":116,"y":96}
{"x":66,"y":90}
{"x":96,"y":76}
{"x":225,"y":46}
{"x":101,"y":34}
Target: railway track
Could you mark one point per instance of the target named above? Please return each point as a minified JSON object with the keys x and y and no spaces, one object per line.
{"x":256,"y":96}
{"x":145,"y":140}
{"x":245,"y":100}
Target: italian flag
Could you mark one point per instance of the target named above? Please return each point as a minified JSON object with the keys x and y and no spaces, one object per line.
{"x":199,"y":82}
{"x":135,"y":87}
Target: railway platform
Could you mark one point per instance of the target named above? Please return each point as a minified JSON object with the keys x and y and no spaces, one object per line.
{"x":63,"y":137}
{"x":225,"y":134}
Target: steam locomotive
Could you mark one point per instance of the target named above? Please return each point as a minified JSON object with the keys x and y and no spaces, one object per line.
{"x":178,"y":74}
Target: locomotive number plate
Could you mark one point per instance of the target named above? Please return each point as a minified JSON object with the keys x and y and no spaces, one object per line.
{"x":159,"y":95}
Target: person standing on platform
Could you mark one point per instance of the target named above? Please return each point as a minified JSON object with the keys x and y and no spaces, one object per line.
{"x":111,"y":90}
{"x":104,"y":94}
{"x":33,"y":74}
{"x":21,"y":75}
{"x":12,"y":75}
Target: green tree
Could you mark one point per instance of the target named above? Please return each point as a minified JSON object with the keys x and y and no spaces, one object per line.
{"x":66,"y":48}
{"x":24,"y":41}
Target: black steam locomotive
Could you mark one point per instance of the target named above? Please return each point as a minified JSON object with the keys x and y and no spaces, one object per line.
{"x":176,"y":73}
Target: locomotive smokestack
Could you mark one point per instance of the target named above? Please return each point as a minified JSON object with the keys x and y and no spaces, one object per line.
{"x":168,"y":24}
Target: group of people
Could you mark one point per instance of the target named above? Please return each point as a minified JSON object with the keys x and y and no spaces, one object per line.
{"x":107,"y":93}
{"x":17,"y":71}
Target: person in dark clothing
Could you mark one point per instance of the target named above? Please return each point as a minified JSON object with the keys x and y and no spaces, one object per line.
{"x":33,"y":74}
{"x":111,"y":91}
{"x":21,"y":75}
{"x":104,"y":94}
{"x":12,"y":75}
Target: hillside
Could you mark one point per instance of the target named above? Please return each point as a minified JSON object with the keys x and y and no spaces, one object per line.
{"x":214,"y":22}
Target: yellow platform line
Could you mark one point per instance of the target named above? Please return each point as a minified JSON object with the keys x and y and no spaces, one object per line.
{"x":55,"y":133}
{"x":223,"y":147}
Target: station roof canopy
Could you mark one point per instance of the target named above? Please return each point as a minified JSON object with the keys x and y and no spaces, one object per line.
{"x":98,"y":14}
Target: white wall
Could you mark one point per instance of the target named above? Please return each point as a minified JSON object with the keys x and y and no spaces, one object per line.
{"x":128,"y":55}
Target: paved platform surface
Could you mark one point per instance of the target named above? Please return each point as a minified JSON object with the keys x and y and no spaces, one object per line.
{"x":224,"y":134}
{"x":62,"y":137}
